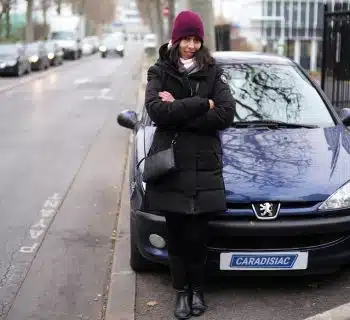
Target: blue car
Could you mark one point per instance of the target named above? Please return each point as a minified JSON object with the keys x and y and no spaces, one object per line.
{"x":286,"y":170}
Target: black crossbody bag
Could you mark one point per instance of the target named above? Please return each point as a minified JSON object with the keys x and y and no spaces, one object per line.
{"x":159,"y":164}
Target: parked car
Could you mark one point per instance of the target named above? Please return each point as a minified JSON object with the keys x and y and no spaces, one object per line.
{"x":94,"y":41}
{"x":88,"y":46}
{"x":114,"y":44}
{"x":54,"y":53}
{"x":150,"y":43}
{"x":13,"y":60}
{"x":38,"y":55}
{"x":286,"y":170}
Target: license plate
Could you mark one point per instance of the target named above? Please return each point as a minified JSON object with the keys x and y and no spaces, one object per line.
{"x":293,"y":260}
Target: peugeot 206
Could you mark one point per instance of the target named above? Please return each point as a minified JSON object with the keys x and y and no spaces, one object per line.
{"x":286,"y":161}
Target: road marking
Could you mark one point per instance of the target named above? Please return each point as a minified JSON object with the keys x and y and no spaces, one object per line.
{"x":103,"y":95}
{"x":81,"y":81}
{"x":29,"y":249}
{"x":35,"y":234}
{"x":49,"y":208}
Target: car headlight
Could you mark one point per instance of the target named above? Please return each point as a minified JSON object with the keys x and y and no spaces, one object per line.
{"x":338,"y":200}
{"x":11,"y":63}
{"x":2,"y":65}
{"x":120,"y":48}
{"x":103,"y":48}
{"x":34,"y":58}
{"x":51,"y":55}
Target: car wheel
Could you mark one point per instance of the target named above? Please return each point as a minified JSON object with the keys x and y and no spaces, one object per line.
{"x":19,"y":72}
{"x":104,"y":55}
{"x":137,"y":262}
{"x":122,"y":54}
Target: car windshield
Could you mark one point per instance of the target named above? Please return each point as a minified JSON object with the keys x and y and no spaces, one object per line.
{"x":6,"y":50}
{"x":113,"y":38}
{"x":271,"y":92}
{"x":62,"y":35}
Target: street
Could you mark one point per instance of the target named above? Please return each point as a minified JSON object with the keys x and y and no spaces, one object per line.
{"x":62,"y":166}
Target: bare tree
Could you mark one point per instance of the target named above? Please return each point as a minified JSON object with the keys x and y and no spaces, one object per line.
{"x":45,"y":5}
{"x":151,"y":13}
{"x":29,"y":29}
{"x":5,"y":9}
{"x":171,"y":16}
{"x":58,"y":4}
{"x":96,"y":11}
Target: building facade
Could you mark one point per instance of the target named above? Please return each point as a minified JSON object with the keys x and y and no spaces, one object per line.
{"x":295,"y":28}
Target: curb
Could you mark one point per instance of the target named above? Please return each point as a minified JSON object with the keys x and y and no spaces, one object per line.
{"x":122,"y":287}
{"x":340,"y":313}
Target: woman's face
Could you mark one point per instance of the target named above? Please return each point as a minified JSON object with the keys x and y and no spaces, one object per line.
{"x":189,"y":46}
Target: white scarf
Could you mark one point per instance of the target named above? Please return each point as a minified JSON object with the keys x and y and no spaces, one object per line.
{"x":188,"y":63}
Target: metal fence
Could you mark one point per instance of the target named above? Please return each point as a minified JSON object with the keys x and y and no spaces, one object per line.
{"x":335,"y":77}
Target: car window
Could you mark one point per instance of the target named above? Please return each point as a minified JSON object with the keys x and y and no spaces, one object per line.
{"x":63,"y":35}
{"x":8,"y":50}
{"x":275,"y":92}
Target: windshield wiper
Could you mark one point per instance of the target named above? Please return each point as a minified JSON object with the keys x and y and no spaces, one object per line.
{"x":272,"y":123}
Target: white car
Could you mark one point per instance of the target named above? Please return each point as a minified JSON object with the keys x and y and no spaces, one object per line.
{"x":150,"y":43}
{"x":113,"y":43}
{"x":88,"y":47}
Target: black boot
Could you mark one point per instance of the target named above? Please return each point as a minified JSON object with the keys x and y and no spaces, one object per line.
{"x":180,"y":283}
{"x":196,"y":273}
{"x":183,"y":305}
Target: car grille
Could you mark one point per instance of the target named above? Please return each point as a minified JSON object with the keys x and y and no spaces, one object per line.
{"x":273,"y":242}
{"x":284,"y":205}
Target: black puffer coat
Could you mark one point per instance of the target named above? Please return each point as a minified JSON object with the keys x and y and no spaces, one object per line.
{"x":197,"y":185}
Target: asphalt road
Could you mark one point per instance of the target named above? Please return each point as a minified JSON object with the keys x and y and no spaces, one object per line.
{"x":62,"y":165}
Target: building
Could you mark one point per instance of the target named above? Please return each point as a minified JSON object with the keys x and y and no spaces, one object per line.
{"x":294,"y":28}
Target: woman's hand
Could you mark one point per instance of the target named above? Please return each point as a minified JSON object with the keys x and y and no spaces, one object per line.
{"x":166,"y":96}
{"x":211,"y":104}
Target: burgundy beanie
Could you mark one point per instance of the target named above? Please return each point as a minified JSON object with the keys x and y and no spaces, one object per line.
{"x":187,"y":23}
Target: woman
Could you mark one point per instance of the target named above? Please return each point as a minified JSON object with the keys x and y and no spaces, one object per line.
{"x":188,"y":99}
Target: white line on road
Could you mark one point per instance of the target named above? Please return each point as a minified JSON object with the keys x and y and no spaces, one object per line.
{"x":37,"y":230}
{"x":81,"y":81}
{"x":103,"y":95}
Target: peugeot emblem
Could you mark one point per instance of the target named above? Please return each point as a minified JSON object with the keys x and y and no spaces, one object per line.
{"x":266,"y":210}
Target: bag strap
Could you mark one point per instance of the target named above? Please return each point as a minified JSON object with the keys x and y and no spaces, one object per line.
{"x":163,"y":78}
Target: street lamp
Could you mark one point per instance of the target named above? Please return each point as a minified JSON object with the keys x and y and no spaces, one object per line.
{"x":283,"y":24}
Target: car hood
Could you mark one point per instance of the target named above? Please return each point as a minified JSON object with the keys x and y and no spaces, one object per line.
{"x":112,"y":44}
{"x":7,"y":57}
{"x":286,"y":164}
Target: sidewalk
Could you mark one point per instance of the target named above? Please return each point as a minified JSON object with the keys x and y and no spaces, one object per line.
{"x":122,"y":290}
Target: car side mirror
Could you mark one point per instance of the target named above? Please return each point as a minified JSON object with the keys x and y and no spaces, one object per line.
{"x":128,"y":119}
{"x":345,"y":116}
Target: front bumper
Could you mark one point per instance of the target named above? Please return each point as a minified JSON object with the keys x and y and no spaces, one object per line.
{"x":112,"y":51}
{"x":326,"y":239}
{"x":9,"y":70}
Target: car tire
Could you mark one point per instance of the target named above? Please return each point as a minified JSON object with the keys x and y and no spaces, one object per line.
{"x":104,"y":55}
{"x":122,"y":54}
{"x":19,"y":72}
{"x":137,"y":262}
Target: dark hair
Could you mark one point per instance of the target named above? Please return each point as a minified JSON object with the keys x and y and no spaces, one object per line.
{"x":202,"y":56}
